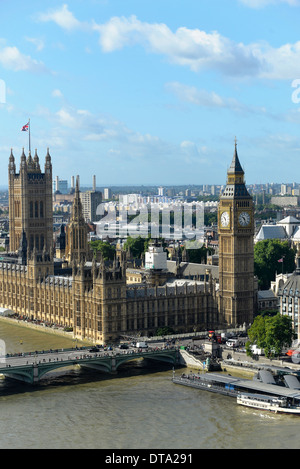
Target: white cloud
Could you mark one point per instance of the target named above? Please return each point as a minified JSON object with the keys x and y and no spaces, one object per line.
{"x":62,"y":17}
{"x":200,"y":50}
{"x":108,"y":143}
{"x":282,"y":63}
{"x":193,"y":153}
{"x":201,"y":97}
{"x":57,"y":93}
{"x":12,"y":59}
{"x":68,"y":118}
{"x":80,"y":129}
{"x":212,"y":100}
{"x":264,"y":3}
{"x":192,"y":48}
{"x":39,"y":43}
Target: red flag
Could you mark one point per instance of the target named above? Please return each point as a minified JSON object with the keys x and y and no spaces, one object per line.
{"x":25,"y":127}
{"x":280,"y":260}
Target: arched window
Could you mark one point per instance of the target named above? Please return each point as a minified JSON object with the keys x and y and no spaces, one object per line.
{"x":41,"y":209}
{"x":31,"y":242}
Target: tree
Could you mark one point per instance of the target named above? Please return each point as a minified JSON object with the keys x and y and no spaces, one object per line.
{"x":267,"y":253}
{"x":166,"y":330}
{"x":210,"y":218}
{"x":137,"y":246}
{"x":197,"y":255}
{"x":107,"y":250}
{"x":270,"y":333}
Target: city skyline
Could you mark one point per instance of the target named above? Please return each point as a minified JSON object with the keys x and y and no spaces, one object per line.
{"x":152,"y":93}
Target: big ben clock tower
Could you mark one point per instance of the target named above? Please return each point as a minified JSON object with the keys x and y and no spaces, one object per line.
{"x":236,"y":249}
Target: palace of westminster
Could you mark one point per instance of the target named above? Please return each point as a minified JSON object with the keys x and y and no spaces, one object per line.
{"x":92,"y":297}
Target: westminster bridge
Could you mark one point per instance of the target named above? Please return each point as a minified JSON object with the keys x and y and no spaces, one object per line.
{"x":30,"y":367}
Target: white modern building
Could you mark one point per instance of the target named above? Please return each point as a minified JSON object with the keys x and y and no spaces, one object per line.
{"x":156,"y":258}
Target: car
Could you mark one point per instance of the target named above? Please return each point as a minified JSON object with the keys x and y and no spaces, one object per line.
{"x":124,"y":346}
{"x":94,"y":349}
{"x":232,"y":343}
{"x":141,"y":345}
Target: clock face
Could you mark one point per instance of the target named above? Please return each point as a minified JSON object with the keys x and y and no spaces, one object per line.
{"x":225,"y":219}
{"x":244,"y":219}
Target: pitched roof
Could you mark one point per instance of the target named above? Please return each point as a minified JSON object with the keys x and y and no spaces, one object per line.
{"x":235,"y":166}
{"x":266,"y":295}
{"x":289,"y":219}
{"x":296,"y":234}
{"x":271,"y":232}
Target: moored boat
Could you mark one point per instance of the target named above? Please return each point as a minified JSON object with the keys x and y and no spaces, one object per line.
{"x":269,"y":403}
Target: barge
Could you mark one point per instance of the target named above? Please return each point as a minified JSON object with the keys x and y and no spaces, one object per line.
{"x":263,"y":383}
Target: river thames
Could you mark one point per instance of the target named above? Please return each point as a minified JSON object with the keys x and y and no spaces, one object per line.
{"x":138,"y":408}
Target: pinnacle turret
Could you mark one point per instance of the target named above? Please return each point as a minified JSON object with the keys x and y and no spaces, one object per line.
{"x":235,"y":166}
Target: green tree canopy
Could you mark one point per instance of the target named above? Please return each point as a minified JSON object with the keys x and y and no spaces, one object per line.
{"x":137,"y":246}
{"x":270,"y":333}
{"x":107,"y":250}
{"x":197,"y":255}
{"x":210,"y":218}
{"x":267,"y":253}
{"x":166,"y":330}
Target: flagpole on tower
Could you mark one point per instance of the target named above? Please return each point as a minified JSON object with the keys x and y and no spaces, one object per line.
{"x":26,"y":128}
{"x":29,"y":135}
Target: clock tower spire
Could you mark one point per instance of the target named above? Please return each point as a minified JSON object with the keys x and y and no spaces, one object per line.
{"x":236,"y":248}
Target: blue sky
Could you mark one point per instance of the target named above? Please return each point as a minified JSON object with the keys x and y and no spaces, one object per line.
{"x":152,"y":91}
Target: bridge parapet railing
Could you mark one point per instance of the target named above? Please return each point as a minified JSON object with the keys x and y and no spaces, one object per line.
{"x":42,"y":352}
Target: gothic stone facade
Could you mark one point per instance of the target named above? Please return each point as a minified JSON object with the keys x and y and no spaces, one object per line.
{"x":92,"y":297}
{"x":30,"y":203}
{"x":96,"y":302}
{"x":236,"y":249}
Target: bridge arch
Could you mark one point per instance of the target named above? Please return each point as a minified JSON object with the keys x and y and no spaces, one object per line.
{"x":33,"y":372}
{"x":164,"y":356}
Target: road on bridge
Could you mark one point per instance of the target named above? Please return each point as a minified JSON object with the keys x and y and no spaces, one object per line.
{"x":61,"y":355}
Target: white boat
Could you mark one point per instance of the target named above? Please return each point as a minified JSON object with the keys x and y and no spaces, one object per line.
{"x":269,"y":403}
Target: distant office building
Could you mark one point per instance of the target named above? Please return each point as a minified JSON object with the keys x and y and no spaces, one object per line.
{"x":285,"y":201}
{"x":170,"y":192}
{"x":90,"y":201}
{"x":160,"y":191}
{"x":60,"y":186}
{"x":129,"y":198}
{"x":107,"y":193}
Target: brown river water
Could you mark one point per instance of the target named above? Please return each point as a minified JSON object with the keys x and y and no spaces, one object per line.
{"x":139,"y":408}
